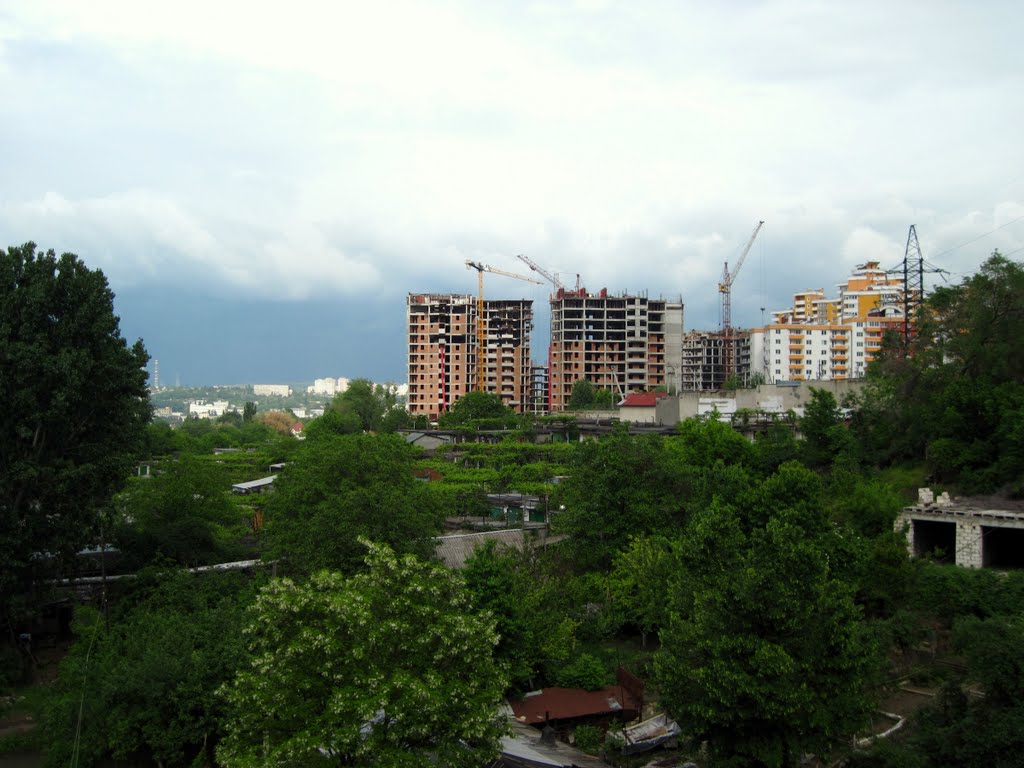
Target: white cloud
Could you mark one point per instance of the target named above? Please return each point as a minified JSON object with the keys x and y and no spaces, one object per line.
{"x":140,"y":236}
{"x":315,"y":148}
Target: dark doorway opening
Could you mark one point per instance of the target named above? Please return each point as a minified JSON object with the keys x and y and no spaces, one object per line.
{"x":1002,"y":548}
{"x":935,"y":539}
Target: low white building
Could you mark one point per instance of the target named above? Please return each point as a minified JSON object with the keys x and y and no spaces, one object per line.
{"x":200,"y":409}
{"x":280,"y":390}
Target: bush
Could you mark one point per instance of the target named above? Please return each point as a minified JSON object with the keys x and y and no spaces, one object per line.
{"x":585,"y":671}
{"x":588,"y":738}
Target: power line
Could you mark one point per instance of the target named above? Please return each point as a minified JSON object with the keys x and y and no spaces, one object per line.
{"x":979,"y":237}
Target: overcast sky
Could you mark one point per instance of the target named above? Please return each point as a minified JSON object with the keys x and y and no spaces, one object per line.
{"x":263,"y":183}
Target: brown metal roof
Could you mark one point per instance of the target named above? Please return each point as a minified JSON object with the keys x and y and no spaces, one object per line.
{"x":568,"y":703}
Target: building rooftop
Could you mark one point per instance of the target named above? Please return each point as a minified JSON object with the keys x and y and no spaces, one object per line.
{"x":547,"y":704}
{"x":642,"y":399}
{"x":455,"y":549}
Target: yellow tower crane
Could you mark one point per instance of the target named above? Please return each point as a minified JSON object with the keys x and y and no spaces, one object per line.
{"x":725,"y":288}
{"x":481,"y":321}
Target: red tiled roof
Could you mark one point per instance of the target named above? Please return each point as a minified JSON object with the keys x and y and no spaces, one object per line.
{"x":642,"y":399}
{"x":567,"y":703}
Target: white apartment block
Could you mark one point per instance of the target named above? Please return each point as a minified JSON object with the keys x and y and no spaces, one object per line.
{"x":329,"y":387}
{"x":822,"y":339}
{"x":200,"y":409}
{"x":268,"y":390}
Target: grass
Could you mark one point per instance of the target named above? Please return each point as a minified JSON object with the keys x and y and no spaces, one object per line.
{"x":906,"y":479}
{"x":25,"y":704}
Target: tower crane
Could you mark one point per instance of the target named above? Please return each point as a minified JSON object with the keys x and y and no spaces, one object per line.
{"x":551,"y":278}
{"x":725,"y":289}
{"x":481,"y":331}
{"x":725,"y":286}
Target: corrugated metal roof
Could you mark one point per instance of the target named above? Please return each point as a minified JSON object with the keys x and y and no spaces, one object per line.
{"x":642,"y":399}
{"x":253,"y":485}
{"x":568,"y":703}
{"x":453,"y":550}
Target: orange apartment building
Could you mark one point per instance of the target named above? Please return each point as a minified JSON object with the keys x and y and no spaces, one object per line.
{"x":623,"y":343}
{"x":822,"y":339}
{"x":442,"y":339}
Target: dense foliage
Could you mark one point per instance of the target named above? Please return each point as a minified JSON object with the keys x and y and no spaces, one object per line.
{"x":480,"y":410}
{"x":339,"y":487}
{"x":585,"y":396}
{"x":390,"y":667}
{"x":143,"y":686}
{"x":74,"y":409}
{"x":768,"y":573}
{"x":765,"y":655}
{"x":957,"y":400}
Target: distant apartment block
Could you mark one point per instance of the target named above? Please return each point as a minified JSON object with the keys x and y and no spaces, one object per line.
{"x":537,"y":402}
{"x":825,"y":339}
{"x":200,"y":409}
{"x":622,"y":343}
{"x":269,"y":390}
{"x":329,"y":387}
{"x":443,"y":350}
{"x":705,"y":362}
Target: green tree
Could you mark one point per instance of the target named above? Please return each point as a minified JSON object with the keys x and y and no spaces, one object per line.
{"x":956,"y":399}
{"x":977,"y":733}
{"x":766,"y":656}
{"x":477,"y":406}
{"x":143,"y":688}
{"x":640,"y":574}
{"x":390,"y":668}
{"x":160,"y":441}
{"x":339,"y":487}
{"x":75,"y":408}
{"x":248,"y":411}
{"x":231,"y":418}
{"x":528,"y":603}
{"x":182,"y":516}
{"x":604,"y":399}
{"x":585,"y":395}
{"x":369,"y":407}
{"x":619,"y":487}
{"x":824,"y":436}
{"x":582,"y":395}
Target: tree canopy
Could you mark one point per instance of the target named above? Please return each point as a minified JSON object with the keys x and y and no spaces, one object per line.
{"x":75,"y":406}
{"x":585,"y":395}
{"x":956,"y":398}
{"x":478,"y":407}
{"x":765,"y":655}
{"x":339,"y":487}
{"x":390,"y":668}
{"x":366,"y":407}
{"x":143,"y":687}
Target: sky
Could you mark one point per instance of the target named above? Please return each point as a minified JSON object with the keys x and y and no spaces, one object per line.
{"x":263,"y":183}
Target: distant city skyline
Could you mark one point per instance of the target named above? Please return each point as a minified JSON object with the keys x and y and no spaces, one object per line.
{"x":264,"y":185}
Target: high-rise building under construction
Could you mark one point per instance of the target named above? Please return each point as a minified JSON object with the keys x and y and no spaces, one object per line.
{"x":443,"y":350}
{"x":623,"y":343}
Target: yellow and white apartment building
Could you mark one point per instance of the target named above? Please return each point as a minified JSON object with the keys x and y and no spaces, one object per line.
{"x":821,"y":338}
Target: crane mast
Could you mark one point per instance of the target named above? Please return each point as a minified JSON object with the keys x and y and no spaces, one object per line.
{"x":725,"y":286}
{"x":481,"y":321}
{"x":725,"y":289}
